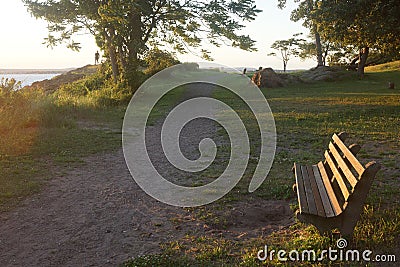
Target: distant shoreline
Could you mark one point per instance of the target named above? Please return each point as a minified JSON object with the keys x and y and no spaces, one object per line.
{"x":34,"y":71}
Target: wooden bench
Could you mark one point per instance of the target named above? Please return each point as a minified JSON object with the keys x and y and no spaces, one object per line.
{"x":332,"y":193}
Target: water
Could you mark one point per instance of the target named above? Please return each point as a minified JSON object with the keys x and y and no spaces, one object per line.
{"x":28,"y":79}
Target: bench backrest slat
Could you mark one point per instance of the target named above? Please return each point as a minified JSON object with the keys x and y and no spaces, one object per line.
{"x":342,"y":165}
{"x":329,"y":190}
{"x":300,"y":189}
{"x":312,"y":208}
{"x":323,"y":193}
{"x":337,"y":176}
{"x":317,"y":196}
{"x":348,"y":155}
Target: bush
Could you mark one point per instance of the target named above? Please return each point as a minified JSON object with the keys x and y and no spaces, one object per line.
{"x":157,"y":60}
{"x":191,"y":66}
{"x":84,"y":86}
{"x":7,"y":86}
{"x":96,"y":90}
{"x":133,"y":81}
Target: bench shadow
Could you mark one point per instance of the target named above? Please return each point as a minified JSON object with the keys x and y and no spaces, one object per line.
{"x":253,"y":217}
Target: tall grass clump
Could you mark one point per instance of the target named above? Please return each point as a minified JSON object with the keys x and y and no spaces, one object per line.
{"x":21,"y":112}
{"x":96,"y":91}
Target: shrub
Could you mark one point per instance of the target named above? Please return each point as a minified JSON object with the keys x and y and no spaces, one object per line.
{"x":8,"y":86}
{"x":191,"y":66}
{"x":84,"y":86}
{"x":157,"y":60}
{"x":92,"y":91}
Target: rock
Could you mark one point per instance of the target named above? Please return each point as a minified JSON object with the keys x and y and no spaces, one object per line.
{"x":324,"y":73}
{"x":267,"y":78}
{"x":290,"y":78}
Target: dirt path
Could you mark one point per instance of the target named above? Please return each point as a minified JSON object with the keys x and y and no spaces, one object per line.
{"x":95,"y":215}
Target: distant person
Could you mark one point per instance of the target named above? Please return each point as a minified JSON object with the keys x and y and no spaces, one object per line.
{"x":96,"y":58}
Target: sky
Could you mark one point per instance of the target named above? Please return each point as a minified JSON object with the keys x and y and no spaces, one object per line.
{"x":22,"y":36}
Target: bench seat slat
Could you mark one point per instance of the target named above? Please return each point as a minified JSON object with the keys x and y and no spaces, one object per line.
{"x":343,"y":166}
{"x":301,"y":193}
{"x":338,"y":177}
{"x":349,"y":156}
{"x":322,"y":191}
{"x":312,"y":209}
{"x":329,"y":190}
{"x":314,"y":188}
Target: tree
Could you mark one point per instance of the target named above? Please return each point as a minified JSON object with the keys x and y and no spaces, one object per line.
{"x":287,"y":49}
{"x":310,"y":50}
{"x":124,"y":28}
{"x":332,"y":53}
{"x":363,"y":24}
{"x":306,"y":11}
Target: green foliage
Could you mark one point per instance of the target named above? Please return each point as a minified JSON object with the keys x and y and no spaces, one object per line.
{"x":330,"y":53}
{"x":362,"y":24}
{"x":96,"y":90}
{"x":348,"y":25}
{"x":374,"y":24}
{"x":124,"y":29}
{"x":7,"y":86}
{"x":305,"y":12}
{"x":157,"y":60}
{"x":287,"y":49}
{"x":190,"y":66}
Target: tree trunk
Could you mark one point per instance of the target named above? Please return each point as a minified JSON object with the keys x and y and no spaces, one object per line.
{"x":114,"y":64}
{"x":112,"y":53}
{"x":284,"y":66}
{"x":122,"y":58}
{"x":364,"y":52}
{"x":312,"y":5}
{"x":135,"y":46}
{"x":325,"y":54}
{"x":318,"y":47}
